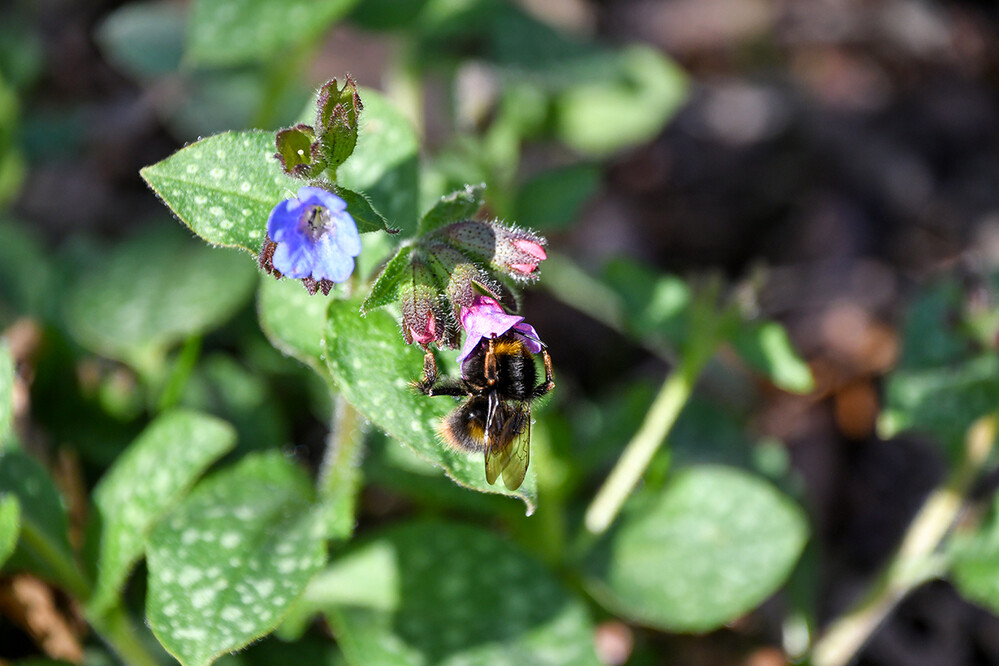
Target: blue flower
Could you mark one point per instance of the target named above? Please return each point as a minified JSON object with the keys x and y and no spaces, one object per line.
{"x":316,"y":237}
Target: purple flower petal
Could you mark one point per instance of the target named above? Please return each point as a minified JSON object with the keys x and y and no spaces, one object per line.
{"x":529,"y":336}
{"x":485,"y":318}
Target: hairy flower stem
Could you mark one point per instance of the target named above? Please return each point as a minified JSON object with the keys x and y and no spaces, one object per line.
{"x":340,"y":473}
{"x":707,"y":324}
{"x":916,"y":561}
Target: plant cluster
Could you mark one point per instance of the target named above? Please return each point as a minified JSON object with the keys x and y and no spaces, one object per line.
{"x":154,"y":466}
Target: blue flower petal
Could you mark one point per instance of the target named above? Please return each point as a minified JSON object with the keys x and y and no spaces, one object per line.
{"x":309,"y":195}
{"x":347,"y":237}
{"x":300,"y":253}
{"x":294,"y":260}
{"x":331,"y":263}
{"x":284,"y":219}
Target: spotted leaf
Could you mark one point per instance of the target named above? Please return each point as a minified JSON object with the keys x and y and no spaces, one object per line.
{"x":228,"y":562}
{"x":140,"y":487}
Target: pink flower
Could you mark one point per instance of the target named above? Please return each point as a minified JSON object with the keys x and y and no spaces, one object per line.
{"x":485,"y":318}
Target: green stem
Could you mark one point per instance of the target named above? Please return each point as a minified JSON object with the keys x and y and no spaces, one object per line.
{"x":708,"y":326}
{"x":118,"y":630}
{"x":630,"y":467}
{"x":340,"y":473}
{"x":916,"y":561}
{"x":115,"y":627}
{"x":66,"y":571}
{"x":183,"y":366}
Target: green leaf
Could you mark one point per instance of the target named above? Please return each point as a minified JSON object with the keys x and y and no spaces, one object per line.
{"x":228,"y":563}
{"x":224,"y":187}
{"x":229,"y":32}
{"x":155,"y":290}
{"x":25,"y":273}
{"x":384,"y":164}
{"x":6,"y":392}
{"x":359,"y":207}
{"x":975,"y":562}
{"x":943,"y":402}
{"x":655,"y":305}
{"x":139,"y":488}
{"x":144,"y":39}
{"x":714,"y":545}
{"x":767,"y":349}
{"x":43,"y":516}
{"x":224,"y":387}
{"x":10,"y":526}
{"x":386,"y":14}
{"x":372,"y":367}
{"x":600,"y":117}
{"x":294,"y":321}
{"x":435,"y":593}
{"x":386,"y":288}
{"x":932,"y":335}
{"x":455,"y":207}
{"x":555,"y":199}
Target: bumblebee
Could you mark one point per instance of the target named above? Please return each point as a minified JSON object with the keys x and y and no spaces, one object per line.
{"x":498,"y":380}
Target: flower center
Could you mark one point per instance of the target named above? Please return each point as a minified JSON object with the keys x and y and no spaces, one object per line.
{"x":315,"y":222}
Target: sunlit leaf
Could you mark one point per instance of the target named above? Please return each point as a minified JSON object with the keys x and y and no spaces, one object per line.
{"x":454,"y":207}
{"x":599,"y":117}
{"x":293,"y":320}
{"x":226,"y":32}
{"x":975,"y":562}
{"x":148,"y":479}
{"x":6,"y":392}
{"x":767,"y":349}
{"x":224,"y":187}
{"x":386,"y":287}
{"x":942,"y":401}
{"x":155,"y":290}
{"x":715,"y":544}
{"x":10,"y":525}
{"x":384,"y":163}
{"x":417,"y":594}
{"x":372,"y":366}
{"x":228,"y":563}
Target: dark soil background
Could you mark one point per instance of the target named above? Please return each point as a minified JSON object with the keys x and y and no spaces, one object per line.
{"x":850,"y":146}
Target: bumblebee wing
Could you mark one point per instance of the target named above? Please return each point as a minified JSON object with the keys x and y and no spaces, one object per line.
{"x":520,"y":449}
{"x":508,"y":444}
{"x":493,"y":438}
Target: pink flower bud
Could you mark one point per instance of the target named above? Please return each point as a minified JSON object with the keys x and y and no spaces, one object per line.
{"x":532,"y":248}
{"x":429,"y":332}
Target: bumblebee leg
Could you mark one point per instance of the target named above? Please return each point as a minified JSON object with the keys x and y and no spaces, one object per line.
{"x":490,"y":363}
{"x":549,"y":382}
{"x":433,"y":384}
{"x":429,"y":378}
